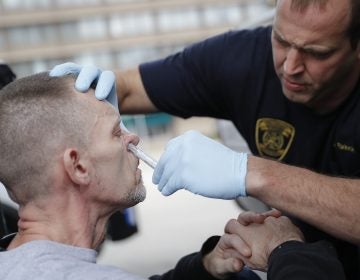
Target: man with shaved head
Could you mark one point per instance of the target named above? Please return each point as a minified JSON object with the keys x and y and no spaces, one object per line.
{"x":64,"y":160}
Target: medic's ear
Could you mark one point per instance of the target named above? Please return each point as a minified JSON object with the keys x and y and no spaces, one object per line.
{"x":77,"y":167}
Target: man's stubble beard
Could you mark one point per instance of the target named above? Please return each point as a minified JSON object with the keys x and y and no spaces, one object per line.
{"x":138,"y":194}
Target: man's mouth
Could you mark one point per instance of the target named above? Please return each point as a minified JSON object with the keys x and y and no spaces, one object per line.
{"x":292,"y":85}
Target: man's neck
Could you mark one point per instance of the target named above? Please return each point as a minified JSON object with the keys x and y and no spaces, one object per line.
{"x":72,"y":223}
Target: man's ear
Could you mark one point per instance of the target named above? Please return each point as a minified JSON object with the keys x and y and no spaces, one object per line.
{"x":77,"y":167}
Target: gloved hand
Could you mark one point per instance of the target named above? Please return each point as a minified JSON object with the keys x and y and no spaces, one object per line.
{"x":202,"y":166}
{"x":105,"y":80}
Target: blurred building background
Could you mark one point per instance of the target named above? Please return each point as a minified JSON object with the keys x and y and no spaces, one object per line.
{"x":35,"y":35}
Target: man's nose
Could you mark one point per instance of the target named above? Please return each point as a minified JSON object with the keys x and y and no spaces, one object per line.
{"x":131,"y":138}
{"x":293,"y":63}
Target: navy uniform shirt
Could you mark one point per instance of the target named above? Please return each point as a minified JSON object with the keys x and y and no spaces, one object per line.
{"x":231,"y":76}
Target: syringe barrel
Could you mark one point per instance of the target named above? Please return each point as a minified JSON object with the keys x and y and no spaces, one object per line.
{"x":142,"y":155}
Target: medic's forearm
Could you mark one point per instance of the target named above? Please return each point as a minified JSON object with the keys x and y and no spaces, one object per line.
{"x":132,"y":95}
{"x":329,"y":203}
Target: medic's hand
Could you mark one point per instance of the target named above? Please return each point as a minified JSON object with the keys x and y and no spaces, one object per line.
{"x":88,"y":74}
{"x":262,"y":238}
{"x":202,"y":166}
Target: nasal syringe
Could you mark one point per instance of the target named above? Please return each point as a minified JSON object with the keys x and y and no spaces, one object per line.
{"x":142,"y":155}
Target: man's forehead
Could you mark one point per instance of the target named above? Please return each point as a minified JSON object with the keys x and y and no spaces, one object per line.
{"x":312,"y":25}
{"x":90,"y":98}
{"x":107,"y":112}
{"x":104,"y":122}
{"x":102,"y":110}
{"x":327,"y":9}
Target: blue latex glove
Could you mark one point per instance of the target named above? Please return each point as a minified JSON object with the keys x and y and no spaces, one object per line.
{"x":202,"y":166}
{"x":105,"y":80}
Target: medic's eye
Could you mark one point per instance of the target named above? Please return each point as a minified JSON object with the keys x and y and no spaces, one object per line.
{"x":318,"y":55}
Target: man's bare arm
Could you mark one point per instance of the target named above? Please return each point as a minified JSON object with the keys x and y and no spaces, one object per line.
{"x":329,"y":203}
{"x":132,"y":95}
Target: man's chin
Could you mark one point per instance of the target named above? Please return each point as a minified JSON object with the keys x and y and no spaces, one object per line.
{"x":139,"y":194}
{"x":296,"y":97}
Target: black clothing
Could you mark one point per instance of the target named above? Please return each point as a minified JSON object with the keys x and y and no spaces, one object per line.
{"x":298,"y":261}
{"x":5,"y":241}
{"x":232,"y":76}
{"x":291,"y":260}
{"x":189,"y":267}
{"x":6,"y":75}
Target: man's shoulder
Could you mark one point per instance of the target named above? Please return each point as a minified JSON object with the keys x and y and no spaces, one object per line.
{"x":261,"y":33}
{"x":248,"y":35}
{"x":42,"y":259}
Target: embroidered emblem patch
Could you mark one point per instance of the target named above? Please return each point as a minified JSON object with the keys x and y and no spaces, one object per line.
{"x":273,"y":137}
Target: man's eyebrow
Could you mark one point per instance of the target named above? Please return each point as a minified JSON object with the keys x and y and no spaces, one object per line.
{"x":277,"y":34}
{"x":307,"y":48}
{"x":117,"y":123}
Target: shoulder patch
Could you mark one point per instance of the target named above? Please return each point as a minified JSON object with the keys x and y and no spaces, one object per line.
{"x":273,"y":137}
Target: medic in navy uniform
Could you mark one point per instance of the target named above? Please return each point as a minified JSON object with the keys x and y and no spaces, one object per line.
{"x":292,"y":90}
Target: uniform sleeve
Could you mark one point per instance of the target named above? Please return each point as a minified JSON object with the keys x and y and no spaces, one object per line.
{"x":191,"y":266}
{"x":207,"y":77}
{"x":184,"y":84}
{"x":311,"y":261}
